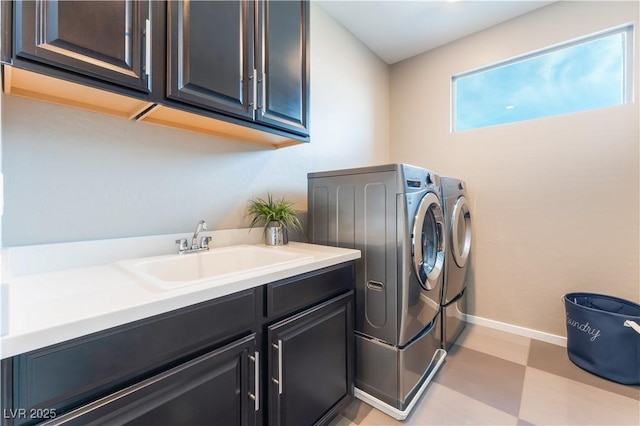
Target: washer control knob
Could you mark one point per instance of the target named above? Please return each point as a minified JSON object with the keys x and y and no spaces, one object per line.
{"x":428,"y":180}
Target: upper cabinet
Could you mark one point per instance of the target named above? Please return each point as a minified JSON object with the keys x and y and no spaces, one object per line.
{"x":283,"y":64}
{"x":106,"y":40}
{"x":244,"y":58}
{"x":210,"y":54}
{"x":235,"y":69}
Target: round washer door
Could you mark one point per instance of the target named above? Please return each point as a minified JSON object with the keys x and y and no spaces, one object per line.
{"x":428,"y":241}
{"x":461,"y":231}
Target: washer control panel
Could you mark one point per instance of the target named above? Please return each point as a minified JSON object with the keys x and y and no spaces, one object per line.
{"x":417,"y":179}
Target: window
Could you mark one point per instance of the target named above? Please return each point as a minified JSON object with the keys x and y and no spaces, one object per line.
{"x":593,"y":72}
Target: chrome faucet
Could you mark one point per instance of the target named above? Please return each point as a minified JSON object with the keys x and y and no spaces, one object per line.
{"x":196,"y":244}
{"x":202,"y":226}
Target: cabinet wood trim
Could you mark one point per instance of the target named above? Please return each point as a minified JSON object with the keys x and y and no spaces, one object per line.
{"x":27,"y":84}
{"x":178,"y":119}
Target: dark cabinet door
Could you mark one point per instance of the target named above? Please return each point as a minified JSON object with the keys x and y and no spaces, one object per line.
{"x":310,"y":363}
{"x":101,"y":39}
{"x":210,"y":54}
{"x":283,"y":57}
{"x":214,"y":389}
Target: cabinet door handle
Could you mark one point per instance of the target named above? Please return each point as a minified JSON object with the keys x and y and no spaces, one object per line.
{"x":254,"y":95}
{"x":263,"y":107}
{"x":256,"y":380}
{"x":280,"y":348}
{"x":147,"y":51}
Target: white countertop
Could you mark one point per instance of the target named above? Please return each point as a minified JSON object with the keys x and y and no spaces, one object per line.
{"x":51,"y":307}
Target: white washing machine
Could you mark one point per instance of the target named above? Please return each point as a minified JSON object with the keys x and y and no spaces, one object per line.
{"x":457,"y":222}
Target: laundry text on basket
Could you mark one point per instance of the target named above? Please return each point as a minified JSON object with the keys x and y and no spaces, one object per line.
{"x":584,"y":328}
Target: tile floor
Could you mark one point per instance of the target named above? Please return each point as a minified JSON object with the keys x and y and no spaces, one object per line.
{"x":496,"y":378}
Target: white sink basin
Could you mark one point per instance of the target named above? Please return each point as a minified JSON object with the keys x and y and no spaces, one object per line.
{"x":218,"y":264}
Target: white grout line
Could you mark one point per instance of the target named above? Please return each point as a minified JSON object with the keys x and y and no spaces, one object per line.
{"x":516,"y":329}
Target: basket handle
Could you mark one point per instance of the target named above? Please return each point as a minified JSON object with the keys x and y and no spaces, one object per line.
{"x":632,"y":324}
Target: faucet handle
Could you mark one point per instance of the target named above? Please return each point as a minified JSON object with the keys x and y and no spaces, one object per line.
{"x":182,"y":245}
{"x":204,"y":242}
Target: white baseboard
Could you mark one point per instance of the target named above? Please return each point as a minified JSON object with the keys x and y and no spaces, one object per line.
{"x":520,"y":331}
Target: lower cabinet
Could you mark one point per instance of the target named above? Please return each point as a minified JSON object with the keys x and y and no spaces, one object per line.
{"x":279,"y":354}
{"x":310,"y":364}
{"x":49,"y":382}
{"x":215,"y":388}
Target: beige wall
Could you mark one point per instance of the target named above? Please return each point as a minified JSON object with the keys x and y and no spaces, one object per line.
{"x":74,"y":175}
{"x":555,"y":201}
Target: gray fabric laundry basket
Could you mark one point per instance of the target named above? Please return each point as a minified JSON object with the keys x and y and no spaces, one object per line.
{"x":603,"y":336}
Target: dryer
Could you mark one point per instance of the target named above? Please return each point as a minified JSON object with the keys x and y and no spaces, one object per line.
{"x":457,"y":221}
{"x":393,"y":214}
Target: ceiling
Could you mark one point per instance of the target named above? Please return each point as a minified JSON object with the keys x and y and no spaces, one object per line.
{"x":400,"y":29}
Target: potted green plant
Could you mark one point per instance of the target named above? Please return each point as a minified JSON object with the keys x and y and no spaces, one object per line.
{"x":277,"y":217}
